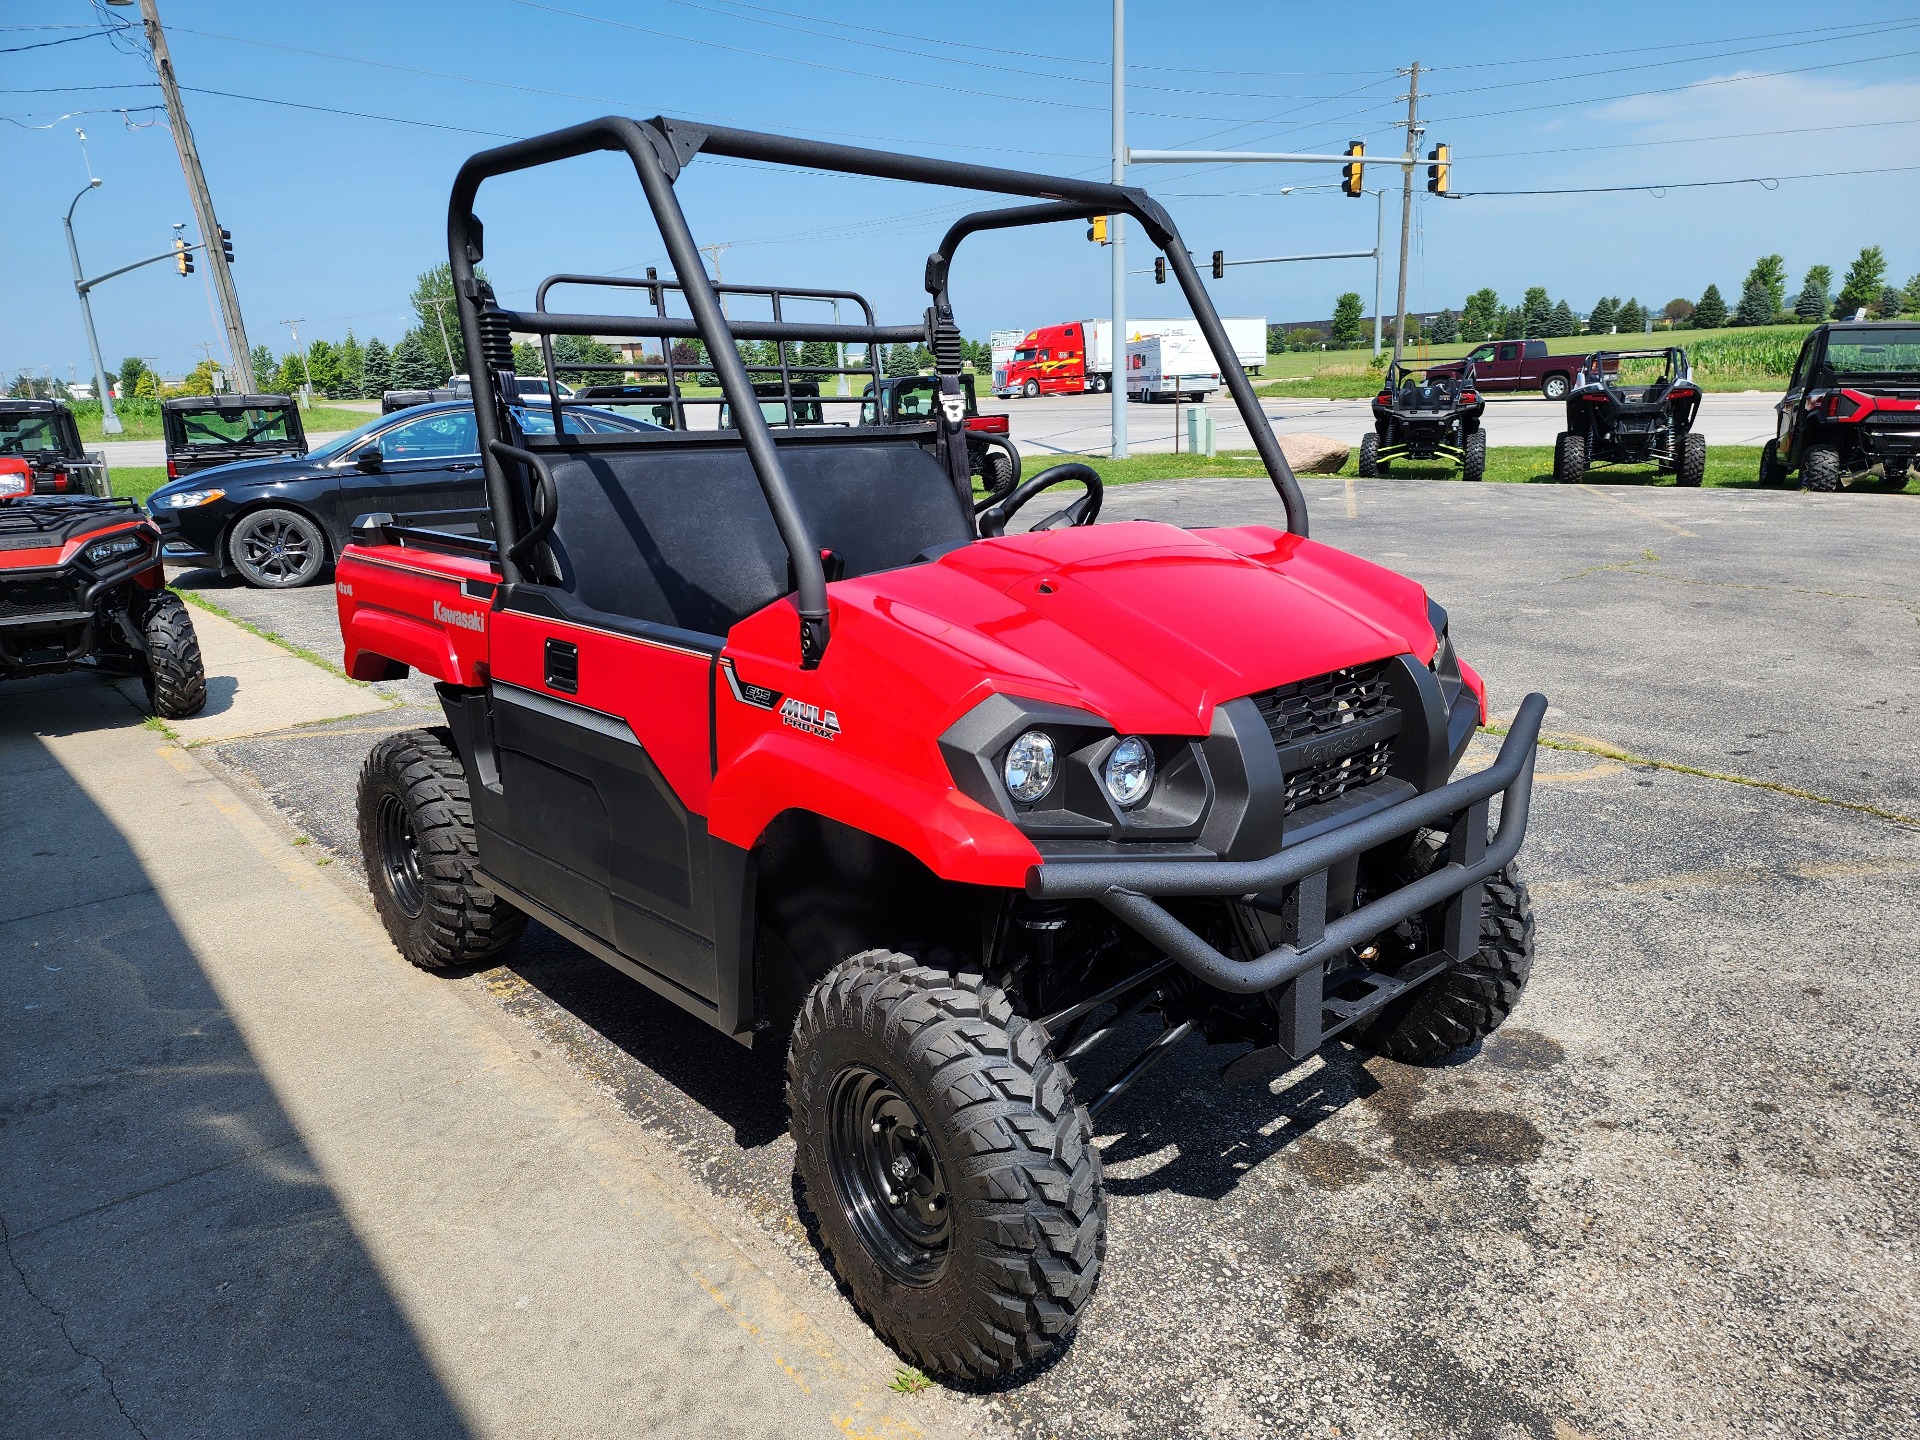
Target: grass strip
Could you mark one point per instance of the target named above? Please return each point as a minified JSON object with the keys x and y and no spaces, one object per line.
{"x":311,"y":657}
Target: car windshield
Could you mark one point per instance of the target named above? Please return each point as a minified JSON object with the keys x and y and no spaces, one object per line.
{"x":29,"y":435}
{"x":1883,"y":352}
{"x":252,"y":426}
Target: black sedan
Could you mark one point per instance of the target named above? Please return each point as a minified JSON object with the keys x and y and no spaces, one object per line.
{"x":277,"y":522}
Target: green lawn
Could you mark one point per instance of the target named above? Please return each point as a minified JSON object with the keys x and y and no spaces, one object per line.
{"x":1737,"y":465}
{"x":137,"y":481}
{"x":142,"y":420}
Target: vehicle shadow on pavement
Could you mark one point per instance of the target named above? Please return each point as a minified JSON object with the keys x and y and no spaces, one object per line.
{"x":177,"y":1263}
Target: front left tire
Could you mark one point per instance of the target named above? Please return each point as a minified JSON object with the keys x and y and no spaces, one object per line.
{"x":174,"y":675}
{"x":277,"y":548}
{"x":951,"y":1173}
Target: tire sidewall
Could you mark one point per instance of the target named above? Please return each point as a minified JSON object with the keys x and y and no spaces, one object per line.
{"x":254,"y":518}
{"x":407,"y":930}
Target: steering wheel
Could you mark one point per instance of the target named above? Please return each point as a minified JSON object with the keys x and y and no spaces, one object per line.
{"x":994,"y":514}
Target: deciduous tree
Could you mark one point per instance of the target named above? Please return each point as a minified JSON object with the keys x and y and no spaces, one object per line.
{"x":1345,"y":330}
{"x":1480,"y":319}
{"x":1866,"y":277}
{"x":1816,"y":294}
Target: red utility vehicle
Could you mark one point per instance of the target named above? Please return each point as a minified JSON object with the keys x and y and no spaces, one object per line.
{"x":783,"y":723}
{"x":1503,"y":365}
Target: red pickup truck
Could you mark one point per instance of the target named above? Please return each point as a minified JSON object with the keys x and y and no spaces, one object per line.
{"x":1518,"y":365}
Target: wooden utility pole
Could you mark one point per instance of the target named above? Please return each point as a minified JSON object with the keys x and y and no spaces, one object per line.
{"x":212,"y":250}
{"x":1406,"y":206}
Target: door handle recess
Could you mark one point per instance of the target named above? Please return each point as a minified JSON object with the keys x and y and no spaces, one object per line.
{"x":563,"y":667}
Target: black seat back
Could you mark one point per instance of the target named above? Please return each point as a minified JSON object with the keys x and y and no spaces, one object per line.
{"x":676,"y":530}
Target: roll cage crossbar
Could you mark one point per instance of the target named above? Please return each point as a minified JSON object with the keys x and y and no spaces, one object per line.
{"x":659,"y":150}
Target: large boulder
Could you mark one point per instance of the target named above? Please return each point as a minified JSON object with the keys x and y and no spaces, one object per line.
{"x":1314,"y":454}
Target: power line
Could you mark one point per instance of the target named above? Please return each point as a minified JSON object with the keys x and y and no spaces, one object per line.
{"x":1769,"y":182}
{"x":1672,"y":45}
{"x":92,"y":34}
{"x":355,"y":114}
{"x":1698,"y":139}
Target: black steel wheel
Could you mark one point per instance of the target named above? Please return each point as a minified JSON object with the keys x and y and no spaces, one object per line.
{"x":949,"y":1172}
{"x":277,"y":549}
{"x":173,"y":672}
{"x":1820,"y":469}
{"x":417,"y":844}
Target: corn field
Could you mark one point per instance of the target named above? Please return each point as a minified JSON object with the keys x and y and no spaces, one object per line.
{"x":1769,"y":352}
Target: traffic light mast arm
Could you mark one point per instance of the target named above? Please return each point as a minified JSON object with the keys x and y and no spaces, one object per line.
{"x":170,"y":253}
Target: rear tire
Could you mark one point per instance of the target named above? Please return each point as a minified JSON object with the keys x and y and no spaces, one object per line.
{"x":1554,"y":387}
{"x":1369,"y":456}
{"x":1692,"y":469}
{"x":952,"y":1175}
{"x":1474,"y":465}
{"x":1100,"y":383}
{"x":1820,"y":469}
{"x":175,"y":676}
{"x":417,"y":842}
{"x":1472,"y":1000}
{"x":1772,"y":472}
{"x":1569,"y":458}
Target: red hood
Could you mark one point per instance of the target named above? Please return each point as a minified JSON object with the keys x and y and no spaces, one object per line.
{"x":1148,"y":625}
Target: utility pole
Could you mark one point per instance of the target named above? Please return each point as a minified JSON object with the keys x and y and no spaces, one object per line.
{"x":441,"y":315}
{"x":294,"y":326}
{"x":109,"y":420}
{"x":1406,"y":206}
{"x":211,"y":248}
{"x":713,"y":253}
{"x":1117,"y":236}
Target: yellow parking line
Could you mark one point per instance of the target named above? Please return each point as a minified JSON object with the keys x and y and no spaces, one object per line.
{"x":1643,"y":514}
{"x":1353,"y":501}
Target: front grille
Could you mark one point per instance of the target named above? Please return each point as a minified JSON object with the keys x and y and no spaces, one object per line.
{"x":37,"y":596}
{"x":1316,"y":709}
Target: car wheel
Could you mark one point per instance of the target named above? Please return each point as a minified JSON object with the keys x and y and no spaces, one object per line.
{"x":1570,"y":458}
{"x":1554,"y":387}
{"x":417,"y":842}
{"x":175,"y":677}
{"x":1474,"y":465}
{"x":1031,"y":389}
{"x":950,"y":1172}
{"x":1369,"y":456}
{"x":1692,"y":468}
{"x":277,"y":549}
{"x":1820,"y":470}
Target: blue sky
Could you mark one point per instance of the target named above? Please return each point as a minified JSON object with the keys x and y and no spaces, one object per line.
{"x":333,"y":215}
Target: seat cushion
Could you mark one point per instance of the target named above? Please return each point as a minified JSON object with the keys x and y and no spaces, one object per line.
{"x":678,"y":531}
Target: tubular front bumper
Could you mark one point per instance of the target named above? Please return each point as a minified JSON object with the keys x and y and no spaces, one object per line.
{"x":1132,"y":889}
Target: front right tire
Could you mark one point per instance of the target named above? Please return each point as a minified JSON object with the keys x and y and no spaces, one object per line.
{"x":951,"y":1173}
{"x":277,"y":548}
{"x":1031,"y":389}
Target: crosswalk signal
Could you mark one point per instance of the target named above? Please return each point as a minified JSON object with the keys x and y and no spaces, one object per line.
{"x":1159,"y":269}
{"x":1351,"y":173}
{"x":182,"y":256}
{"x":1219,"y":264}
{"x":1097,"y":231}
{"x":226,"y":243}
{"x":1438,"y":171}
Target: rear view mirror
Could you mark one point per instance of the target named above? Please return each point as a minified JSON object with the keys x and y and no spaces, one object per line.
{"x":369,"y":458}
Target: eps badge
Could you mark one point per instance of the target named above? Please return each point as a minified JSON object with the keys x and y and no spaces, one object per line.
{"x":810,"y":719}
{"x":954,"y":407}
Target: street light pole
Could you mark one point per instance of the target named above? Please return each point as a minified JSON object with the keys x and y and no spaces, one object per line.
{"x":1379,"y":243}
{"x":1117,"y":235}
{"x":109,"y":421}
{"x":294,"y":326}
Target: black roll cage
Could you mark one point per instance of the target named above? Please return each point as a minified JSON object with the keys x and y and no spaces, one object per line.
{"x":660,"y":149}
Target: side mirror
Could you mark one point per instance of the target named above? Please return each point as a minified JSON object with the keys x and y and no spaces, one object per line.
{"x":370,"y":458}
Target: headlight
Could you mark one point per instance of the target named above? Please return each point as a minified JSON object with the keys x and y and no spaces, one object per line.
{"x":102,"y":551}
{"x":1128,"y":771}
{"x":187,"y":499}
{"x":1028,"y":771}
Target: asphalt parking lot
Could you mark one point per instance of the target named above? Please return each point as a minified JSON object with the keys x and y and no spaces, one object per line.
{"x":1675,"y":1196}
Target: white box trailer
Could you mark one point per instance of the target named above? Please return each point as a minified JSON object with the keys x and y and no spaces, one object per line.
{"x":1247,"y":334}
{"x":1171,"y":367}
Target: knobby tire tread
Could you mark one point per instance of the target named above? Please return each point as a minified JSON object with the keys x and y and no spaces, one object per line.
{"x":176,"y":677}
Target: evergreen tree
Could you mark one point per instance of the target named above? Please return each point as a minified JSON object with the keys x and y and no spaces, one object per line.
{"x":1562,"y":321}
{"x":1445,"y":328}
{"x":527,"y":359}
{"x":1513,"y":323}
{"x":1815,"y":295}
{"x":1345,"y":330}
{"x":411,"y":367}
{"x":1865,"y":279}
{"x":1601,"y":321}
{"x":1482,"y":316}
{"x":1770,"y":274}
{"x":353,"y":359}
{"x":1888,"y":306}
{"x":1633,"y":319}
{"x":1754,"y":307}
{"x":1910,"y":301}
{"x":820,"y":354}
{"x":1539,"y":311}
{"x":1710,"y":312}
{"x":899,"y":361}
{"x":376,"y":370}
{"x":579,"y":350}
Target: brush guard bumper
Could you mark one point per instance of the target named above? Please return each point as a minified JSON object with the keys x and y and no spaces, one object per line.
{"x":1321,"y":947}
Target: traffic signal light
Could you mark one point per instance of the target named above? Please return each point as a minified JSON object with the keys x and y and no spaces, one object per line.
{"x":1437,"y":172}
{"x":226,"y":243}
{"x":182,"y":256}
{"x":1351,"y":172}
{"x":1097,"y":231}
{"x":1219,"y":264}
{"x":1159,"y":269}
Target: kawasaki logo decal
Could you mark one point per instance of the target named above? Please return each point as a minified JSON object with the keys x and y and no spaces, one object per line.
{"x":465,"y":619}
{"x":810,"y":718}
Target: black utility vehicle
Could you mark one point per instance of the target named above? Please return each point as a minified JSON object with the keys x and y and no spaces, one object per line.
{"x":276,"y":522}
{"x":992,"y":459}
{"x":45,"y":435}
{"x":652,"y":403}
{"x":1423,"y":414}
{"x":203,"y":431}
{"x":81,"y":586}
{"x":1633,"y":407}
{"x":1853,"y":403}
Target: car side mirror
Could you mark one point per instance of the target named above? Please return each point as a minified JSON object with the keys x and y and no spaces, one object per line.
{"x":370,"y":458}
